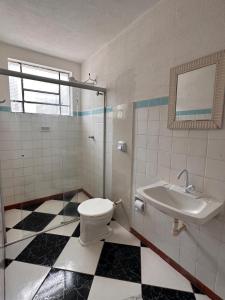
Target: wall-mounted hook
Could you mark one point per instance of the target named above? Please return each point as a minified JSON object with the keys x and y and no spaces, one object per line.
{"x":90,"y":80}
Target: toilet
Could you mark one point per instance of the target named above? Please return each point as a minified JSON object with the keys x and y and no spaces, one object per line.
{"x":95,"y":214}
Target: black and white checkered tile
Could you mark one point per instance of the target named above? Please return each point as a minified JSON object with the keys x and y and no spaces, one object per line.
{"x":54,"y":265}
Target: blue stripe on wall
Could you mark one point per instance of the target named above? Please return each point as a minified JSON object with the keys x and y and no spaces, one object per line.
{"x":5,"y":108}
{"x":95,"y":111}
{"x":194,"y":112}
{"x":152,"y":102}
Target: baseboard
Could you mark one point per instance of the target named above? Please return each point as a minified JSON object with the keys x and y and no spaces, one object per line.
{"x":177,"y":267}
{"x":24,"y":204}
{"x":86,"y":193}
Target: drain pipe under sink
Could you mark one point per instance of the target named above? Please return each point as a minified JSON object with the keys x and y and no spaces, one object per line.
{"x":178,"y":226}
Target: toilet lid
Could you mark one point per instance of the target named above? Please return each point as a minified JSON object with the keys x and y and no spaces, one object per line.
{"x":95,"y":207}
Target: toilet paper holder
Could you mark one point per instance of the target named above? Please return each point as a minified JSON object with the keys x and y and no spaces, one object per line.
{"x":139,"y":205}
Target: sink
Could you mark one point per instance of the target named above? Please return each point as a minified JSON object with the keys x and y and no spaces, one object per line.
{"x":174,"y":201}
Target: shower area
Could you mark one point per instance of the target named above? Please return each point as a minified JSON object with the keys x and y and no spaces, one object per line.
{"x":52,"y":150}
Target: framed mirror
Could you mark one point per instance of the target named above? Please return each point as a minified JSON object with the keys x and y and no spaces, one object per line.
{"x":196,"y":96}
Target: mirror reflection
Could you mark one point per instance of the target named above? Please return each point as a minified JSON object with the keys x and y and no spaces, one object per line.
{"x":195,"y":91}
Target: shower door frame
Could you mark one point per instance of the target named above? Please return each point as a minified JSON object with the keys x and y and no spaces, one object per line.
{"x":76,"y":84}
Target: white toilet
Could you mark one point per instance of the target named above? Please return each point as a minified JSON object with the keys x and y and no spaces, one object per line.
{"x":95,"y":214}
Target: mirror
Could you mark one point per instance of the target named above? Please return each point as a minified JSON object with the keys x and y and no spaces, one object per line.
{"x":197,"y":93}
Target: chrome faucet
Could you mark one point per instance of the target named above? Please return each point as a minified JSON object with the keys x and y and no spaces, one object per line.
{"x":188,"y":187}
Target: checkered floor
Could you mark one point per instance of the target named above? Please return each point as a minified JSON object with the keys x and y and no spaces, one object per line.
{"x":54,"y":265}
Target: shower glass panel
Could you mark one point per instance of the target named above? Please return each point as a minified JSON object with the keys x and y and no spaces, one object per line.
{"x":50,"y":160}
{"x":2,"y":253}
{"x":92,"y":142}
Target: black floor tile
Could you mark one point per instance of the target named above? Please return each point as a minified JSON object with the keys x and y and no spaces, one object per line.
{"x":77,"y":231}
{"x":44,"y":249}
{"x":70,"y":210}
{"x":196,"y":290}
{"x":157,"y":293}
{"x":7,"y":229}
{"x":35,"y":222}
{"x":61,"y":284}
{"x":120,"y":262}
{"x":8,"y":262}
{"x":68,"y":196}
{"x":32,"y":207}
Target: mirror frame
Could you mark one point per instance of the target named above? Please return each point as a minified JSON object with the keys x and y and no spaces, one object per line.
{"x":218,"y":59}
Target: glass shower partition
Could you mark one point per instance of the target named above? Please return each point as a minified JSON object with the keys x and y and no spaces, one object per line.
{"x":49,"y":162}
{"x":92,"y":142}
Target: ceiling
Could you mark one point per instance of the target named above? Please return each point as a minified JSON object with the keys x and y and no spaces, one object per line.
{"x":71,"y":29}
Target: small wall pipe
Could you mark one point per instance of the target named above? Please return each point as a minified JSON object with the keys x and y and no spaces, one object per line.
{"x":178,"y":226}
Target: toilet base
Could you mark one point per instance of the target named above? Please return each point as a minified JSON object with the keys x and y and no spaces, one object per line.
{"x":102,"y":235}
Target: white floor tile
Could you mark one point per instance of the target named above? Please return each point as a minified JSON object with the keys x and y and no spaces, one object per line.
{"x":79,"y":197}
{"x":155,"y":271}
{"x":201,"y":297}
{"x":75,"y":257}
{"x":14,"y":250}
{"x":51,"y":207}
{"x":121,"y":236}
{"x":17,"y":234}
{"x":63,"y":230}
{"x":105,"y":288}
{"x":14,"y":216}
{"x":23,"y":280}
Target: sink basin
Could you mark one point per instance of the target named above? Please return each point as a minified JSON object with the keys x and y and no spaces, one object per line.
{"x":175,"y":202}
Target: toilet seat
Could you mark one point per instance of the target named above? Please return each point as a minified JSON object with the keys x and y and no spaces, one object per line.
{"x":95,"y":207}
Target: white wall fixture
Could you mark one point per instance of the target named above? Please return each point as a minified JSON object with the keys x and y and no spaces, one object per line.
{"x":139,"y":205}
{"x":122,"y":146}
{"x":174,"y":201}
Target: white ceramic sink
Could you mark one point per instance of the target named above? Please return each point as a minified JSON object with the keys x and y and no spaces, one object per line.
{"x":175,"y":202}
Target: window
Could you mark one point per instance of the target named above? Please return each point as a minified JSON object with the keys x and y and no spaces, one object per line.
{"x":31,"y":96}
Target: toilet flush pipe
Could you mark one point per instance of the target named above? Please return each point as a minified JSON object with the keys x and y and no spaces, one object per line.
{"x":178,"y":226}
{"x":117,"y":202}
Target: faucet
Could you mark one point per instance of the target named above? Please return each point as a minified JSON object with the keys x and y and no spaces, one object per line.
{"x":188,"y":187}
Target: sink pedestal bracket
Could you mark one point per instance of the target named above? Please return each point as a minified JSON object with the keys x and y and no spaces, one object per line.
{"x":178,"y":226}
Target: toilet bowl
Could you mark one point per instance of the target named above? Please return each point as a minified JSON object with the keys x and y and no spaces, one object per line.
{"x":95,"y":214}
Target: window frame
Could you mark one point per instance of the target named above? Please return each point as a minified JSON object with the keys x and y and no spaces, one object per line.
{"x":23,"y":89}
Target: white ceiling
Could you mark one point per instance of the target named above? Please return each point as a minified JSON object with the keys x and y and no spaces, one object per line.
{"x":71,"y":29}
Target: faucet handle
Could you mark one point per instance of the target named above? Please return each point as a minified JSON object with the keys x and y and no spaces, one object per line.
{"x":190,"y":188}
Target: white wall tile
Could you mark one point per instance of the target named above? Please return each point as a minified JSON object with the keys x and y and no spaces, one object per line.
{"x":165,"y":143}
{"x":216,"y":149}
{"x":153,"y":127}
{"x":180,"y":145}
{"x":164,"y":159}
{"x":215,"y":169}
{"x":154,"y":113}
{"x":196,"y":165}
{"x":178,"y":161}
{"x":197,"y":147}
{"x":152,"y":141}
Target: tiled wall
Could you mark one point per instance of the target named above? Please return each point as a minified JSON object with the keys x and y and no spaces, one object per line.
{"x":92,"y":152}
{"x":2,"y":255}
{"x":122,"y":162}
{"x":160,"y":153}
{"x":35,"y":164}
